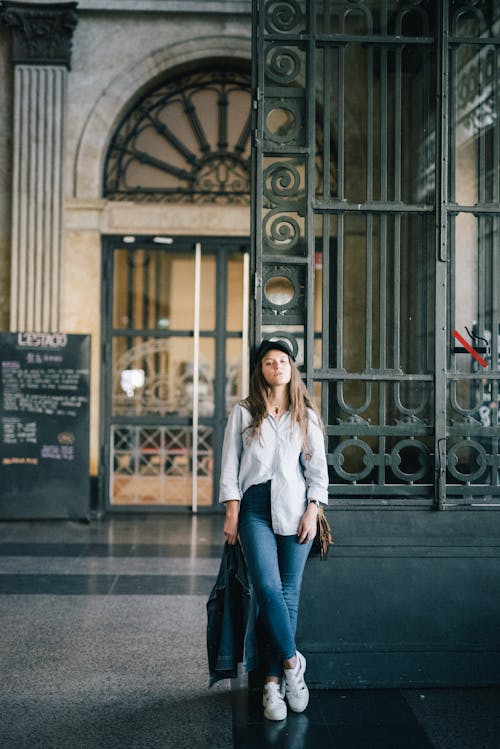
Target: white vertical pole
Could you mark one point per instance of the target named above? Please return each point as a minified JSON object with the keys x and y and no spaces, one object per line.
{"x":244,"y":325}
{"x":196,"y":373}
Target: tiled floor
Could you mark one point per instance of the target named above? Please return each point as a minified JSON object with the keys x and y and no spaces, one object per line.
{"x":378,"y":719}
{"x":102,"y":646}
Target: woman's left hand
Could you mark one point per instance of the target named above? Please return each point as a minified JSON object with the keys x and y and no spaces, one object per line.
{"x":307,"y":526}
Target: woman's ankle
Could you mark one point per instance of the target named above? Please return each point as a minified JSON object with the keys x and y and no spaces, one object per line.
{"x":275,"y":679}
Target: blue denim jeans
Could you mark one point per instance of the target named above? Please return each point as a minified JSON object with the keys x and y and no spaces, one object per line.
{"x":275,"y":567}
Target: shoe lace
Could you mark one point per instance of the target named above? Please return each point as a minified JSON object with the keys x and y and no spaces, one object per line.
{"x":273,"y":692}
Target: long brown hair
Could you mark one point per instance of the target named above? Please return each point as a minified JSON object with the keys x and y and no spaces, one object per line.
{"x":299,"y":397}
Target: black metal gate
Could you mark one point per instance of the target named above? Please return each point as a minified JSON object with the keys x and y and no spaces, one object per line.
{"x":376,"y":235}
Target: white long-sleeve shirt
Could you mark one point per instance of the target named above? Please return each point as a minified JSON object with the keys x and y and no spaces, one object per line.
{"x":295,"y":474}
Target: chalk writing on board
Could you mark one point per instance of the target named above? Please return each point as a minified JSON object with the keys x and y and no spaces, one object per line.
{"x":58,"y":452}
{"x":20,"y":461}
{"x":44,"y":425}
{"x":50,"y":340}
{"x":50,"y":405}
{"x":16,"y":379}
{"x":17,"y":432}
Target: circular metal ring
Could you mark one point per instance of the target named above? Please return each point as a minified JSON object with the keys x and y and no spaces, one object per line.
{"x":282,"y":122}
{"x":368,"y":459}
{"x":423,"y":458}
{"x":279,"y":290}
{"x":453,"y":460}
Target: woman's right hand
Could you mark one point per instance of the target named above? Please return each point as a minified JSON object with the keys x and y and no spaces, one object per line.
{"x":231,"y":522}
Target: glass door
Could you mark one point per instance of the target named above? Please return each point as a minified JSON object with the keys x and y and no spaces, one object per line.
{"x":174,"y":353}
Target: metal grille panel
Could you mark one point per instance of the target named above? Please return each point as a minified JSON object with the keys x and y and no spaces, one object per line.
{"x":153,"y":466}
{"x":355,"y":166}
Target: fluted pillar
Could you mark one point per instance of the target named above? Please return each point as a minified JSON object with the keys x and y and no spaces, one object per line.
{"x":41,"y":36}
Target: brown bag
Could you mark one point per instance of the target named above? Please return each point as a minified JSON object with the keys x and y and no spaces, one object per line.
{"x":323,"y":539}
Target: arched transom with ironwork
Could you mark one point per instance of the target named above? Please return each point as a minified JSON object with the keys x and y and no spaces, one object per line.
{"x":188,"y":140}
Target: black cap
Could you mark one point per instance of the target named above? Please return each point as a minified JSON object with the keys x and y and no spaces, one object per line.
{"x":268,"y":345}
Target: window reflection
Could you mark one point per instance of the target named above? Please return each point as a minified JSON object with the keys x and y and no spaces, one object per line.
{"x":155,"y":376}
{"x":131,"y":380}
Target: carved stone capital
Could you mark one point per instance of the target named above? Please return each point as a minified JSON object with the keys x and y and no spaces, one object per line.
{"x":41,"y":33}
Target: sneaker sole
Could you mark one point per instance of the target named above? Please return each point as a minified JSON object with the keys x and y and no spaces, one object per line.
{"x":274,"y":717}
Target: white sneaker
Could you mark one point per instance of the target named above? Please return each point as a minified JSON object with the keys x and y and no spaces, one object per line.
{"x":273,"y":702}
{"x":297,"y":692}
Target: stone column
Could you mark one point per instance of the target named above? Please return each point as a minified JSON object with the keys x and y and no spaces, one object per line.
{"x":41,"y":50}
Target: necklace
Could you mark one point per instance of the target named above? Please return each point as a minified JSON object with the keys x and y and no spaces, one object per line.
{"x":277,"y":411}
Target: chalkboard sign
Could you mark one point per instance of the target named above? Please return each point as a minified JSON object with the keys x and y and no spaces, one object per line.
{"x":44,"y":412}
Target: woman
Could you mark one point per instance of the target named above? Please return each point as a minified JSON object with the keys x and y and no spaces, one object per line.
{"x":273,"y":477}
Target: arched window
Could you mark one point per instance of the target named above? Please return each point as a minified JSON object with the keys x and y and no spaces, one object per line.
{"x":188,"y":140}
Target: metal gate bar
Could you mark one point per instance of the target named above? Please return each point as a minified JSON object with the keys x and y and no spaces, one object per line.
{"x":196,"y":375}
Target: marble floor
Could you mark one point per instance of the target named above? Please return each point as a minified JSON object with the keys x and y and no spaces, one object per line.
{"x":102,"y":646}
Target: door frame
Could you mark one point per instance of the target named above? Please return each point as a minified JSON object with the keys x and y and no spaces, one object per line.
{"x":218,"y":246}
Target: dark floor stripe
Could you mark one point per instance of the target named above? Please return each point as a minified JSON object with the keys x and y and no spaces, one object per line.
{"x":106,"y":584}
{"x":103,"y":549}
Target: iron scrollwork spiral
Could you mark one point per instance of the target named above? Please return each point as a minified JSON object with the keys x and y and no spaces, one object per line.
{"x":282,"y":183}
{"x":281,"y":231}
{"x":283,"y":64}
{"x":282,"y":16}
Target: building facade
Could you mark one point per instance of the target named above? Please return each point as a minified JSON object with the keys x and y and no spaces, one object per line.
{"x":365,"y":229}
{"x":128,"y":143}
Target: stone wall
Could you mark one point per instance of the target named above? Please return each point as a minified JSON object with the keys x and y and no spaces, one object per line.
{"x":116,"y":57}
{"x":118,"y":50}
